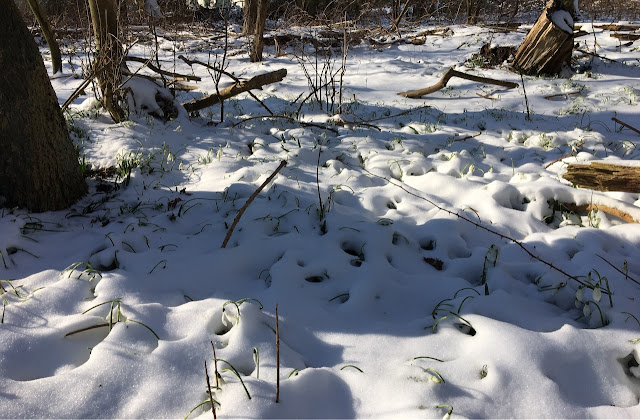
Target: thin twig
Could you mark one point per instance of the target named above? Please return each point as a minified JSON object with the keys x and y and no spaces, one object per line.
{"x":566,"y":94}
{"x":460,"y":216}
{"x":249,"y":201}
{"x":147,"y":63}
{"x":286,"y":117}
{"x":624,"y":124}
{"x":626,"y":275}
{"x":598,"y":55}
{"x":215,"y":364}
{"x":226,"y":73}
{"x":213,"y":406}
{"x":573,"y":150}
{"x":277,"y":358}
{"x":465,"y":138}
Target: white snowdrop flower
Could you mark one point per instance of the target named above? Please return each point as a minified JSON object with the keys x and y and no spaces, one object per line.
{"x":446,"y":416}
{"x":181,"y":166}
{"x":586,"y":310}
{"x":597,"y":294}
{"x":580,"y":294}
{"x":169,"y":157}
{"x":578,"y":304}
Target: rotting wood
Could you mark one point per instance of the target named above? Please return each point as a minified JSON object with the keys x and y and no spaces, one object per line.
{"x":236,"y":89}
{"x":572,"y":207}
{"x":442,"y":83}
{"x":617,"y":27}
{"x":604,"y":177}
{"x":546,"y":49}
{"x":625,"y":36}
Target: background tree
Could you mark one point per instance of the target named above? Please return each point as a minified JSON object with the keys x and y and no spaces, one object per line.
{"x":255,"y":55}
{"x":39,"y":166}
{"x":250,"y":16}
{"x":49,"y":36}
{"x":109,"y":55}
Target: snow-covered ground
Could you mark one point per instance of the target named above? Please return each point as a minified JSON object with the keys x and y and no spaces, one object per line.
{"x":394,"y":299}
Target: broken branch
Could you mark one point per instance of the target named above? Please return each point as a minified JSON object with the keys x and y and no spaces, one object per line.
{"x":442,"y":83}
{"x":249,"y":201}
{"x":236,"y":89}
{"x":624,"y":124}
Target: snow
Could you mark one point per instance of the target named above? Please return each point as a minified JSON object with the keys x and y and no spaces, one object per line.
{"x":563,"y":20}
{"x":368,"y":324}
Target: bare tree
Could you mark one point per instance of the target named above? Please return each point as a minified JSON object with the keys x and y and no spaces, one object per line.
{"x":255,"y":55}
{"x":47,"y":32}
{"x":250,"y":16}
{"x":109,"y":56}
{"x":39,"y":166}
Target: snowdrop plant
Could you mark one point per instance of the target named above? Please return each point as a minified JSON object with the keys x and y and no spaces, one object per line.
{"x":595,"y":285}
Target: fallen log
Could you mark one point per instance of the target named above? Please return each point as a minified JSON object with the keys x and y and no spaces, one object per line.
{"x":574,"y":208}
{"x":237,"y":88}
{"x":442,"y":83}
{"x":617,"y":27}
{"x":625,"y":36}
{"x":604,"y":177}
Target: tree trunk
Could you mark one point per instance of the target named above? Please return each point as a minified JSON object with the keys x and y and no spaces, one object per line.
{"x":39,"y":167}
{"x":548,"y":47}
{"x":255,"y":55}
{"x":47,"y":32}
{"x":109,"y":57}
{"x":473,"y":11}
{"x":250,"y":16}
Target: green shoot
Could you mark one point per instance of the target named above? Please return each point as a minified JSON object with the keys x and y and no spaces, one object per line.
{"x":426,"y":357}
{"x":156,"y":266}
{"x":144,"y":325}
{"x":4,"y":304}
{"x":449,"y":412}
{"x":435,"y":376}
{"x":492,"y":258}
{"x":353,"y":367}
{"x":631,"y":316}
{"x":235,"y":372}
{"x":207,"y":401}
{"x":256,"y":360}
{"x":484,"y":372}
{"x":89,"y":270}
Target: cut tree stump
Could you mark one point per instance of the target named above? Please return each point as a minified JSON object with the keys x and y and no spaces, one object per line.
{"x":604,"y":177}
{"x":255,"y":82}
{"x":546,"y":49}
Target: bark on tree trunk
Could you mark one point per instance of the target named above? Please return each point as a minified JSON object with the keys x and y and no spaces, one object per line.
{"x":47,"y":32}
{"x":109,"y":57}
{"x":255,"y":56}
{"x":250,"y":16}
{"x":547,"y":48}
{"x":39,"y":167}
